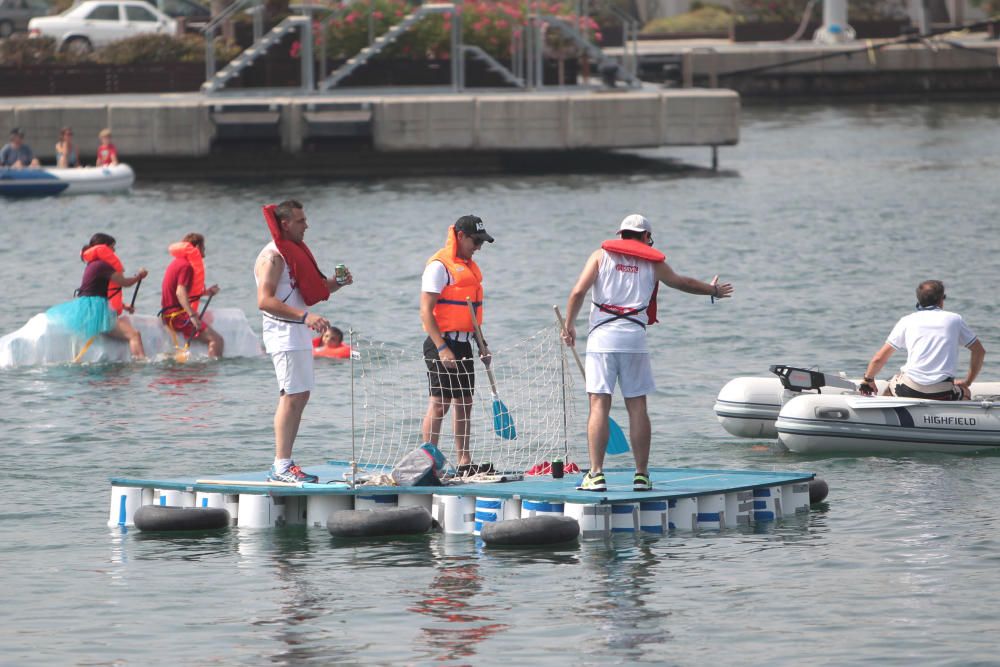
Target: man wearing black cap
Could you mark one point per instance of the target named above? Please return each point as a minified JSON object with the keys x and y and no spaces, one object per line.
{"x":16,"y":153}
{"x":451,"y":279}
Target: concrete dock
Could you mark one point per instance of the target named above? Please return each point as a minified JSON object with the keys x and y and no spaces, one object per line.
{"x":195,"y":125}
{"x":943,"y":64}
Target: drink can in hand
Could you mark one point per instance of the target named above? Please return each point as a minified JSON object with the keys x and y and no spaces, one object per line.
{"x":341,"y":274}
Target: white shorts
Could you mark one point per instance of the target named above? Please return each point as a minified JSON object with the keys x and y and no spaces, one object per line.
{"x":631,"y":370}
{"x":294,"y":369}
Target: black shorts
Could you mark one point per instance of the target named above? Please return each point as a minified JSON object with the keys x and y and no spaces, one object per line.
{"x":450,"y":382}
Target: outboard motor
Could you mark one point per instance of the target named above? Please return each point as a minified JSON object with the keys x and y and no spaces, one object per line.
{"x":802,"y":379}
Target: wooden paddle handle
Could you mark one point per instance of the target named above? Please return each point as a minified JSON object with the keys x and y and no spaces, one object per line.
{"x":576,"y":355}
{"x":482,"y":344}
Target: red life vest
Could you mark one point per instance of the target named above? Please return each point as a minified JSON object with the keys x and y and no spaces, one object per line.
{"x":185,"y":250}
{"x":104,"y":253}
{"x":634,"y":248}
{"x":302,"y":267}
{"x":465,"y":282}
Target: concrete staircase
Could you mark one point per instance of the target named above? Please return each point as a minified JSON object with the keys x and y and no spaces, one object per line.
{"x":493,"y":65}
{"x":594,"y":52}
{"x":381,"y":42}
{"x":256,"y":50}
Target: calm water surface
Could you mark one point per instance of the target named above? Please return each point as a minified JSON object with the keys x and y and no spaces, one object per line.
{"x":824,"y":218}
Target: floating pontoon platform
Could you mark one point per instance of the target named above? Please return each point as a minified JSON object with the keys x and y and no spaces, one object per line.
{"x":681,"y":499}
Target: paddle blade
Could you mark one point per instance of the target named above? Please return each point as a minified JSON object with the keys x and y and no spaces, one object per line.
{"x":503,"y":424}
{"x":617,"y":443}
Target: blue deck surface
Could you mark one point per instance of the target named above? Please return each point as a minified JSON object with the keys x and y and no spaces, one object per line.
{"x":667,"y":483}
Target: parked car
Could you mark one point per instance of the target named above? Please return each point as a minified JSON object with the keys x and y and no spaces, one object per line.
{"x":98,"y":22}
{"x":195,"y":15}
{"x":15,"y":14}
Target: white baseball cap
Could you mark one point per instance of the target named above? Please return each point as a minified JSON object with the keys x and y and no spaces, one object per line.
{"x":635,"y":223}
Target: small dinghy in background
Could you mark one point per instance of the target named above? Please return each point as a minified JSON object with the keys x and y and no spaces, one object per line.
{"x":814,"y":412}
{"x":48,"y":181}
{"x":39,"y":342}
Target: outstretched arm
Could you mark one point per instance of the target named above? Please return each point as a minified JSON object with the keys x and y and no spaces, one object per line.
{"x":715,"y":289}
{"x":583,"y":284}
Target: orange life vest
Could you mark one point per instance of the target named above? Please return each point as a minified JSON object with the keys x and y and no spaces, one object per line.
{"x":635,"y":248}
{"x":185,"y":250}
{"x":465,"y":281}
{"x":104,"y":253}
{"x":342,"y":351}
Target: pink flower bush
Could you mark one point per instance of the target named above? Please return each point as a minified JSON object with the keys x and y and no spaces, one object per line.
{"x":492,"y":26}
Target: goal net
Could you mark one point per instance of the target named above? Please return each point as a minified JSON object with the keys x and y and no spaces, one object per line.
{"x":537,"y":414}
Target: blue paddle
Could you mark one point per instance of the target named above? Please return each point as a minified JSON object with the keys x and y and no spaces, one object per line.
{"x":617,"y":442}
{"x":503,"y":424}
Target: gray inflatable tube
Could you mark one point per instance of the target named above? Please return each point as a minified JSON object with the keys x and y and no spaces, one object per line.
{"x":536,"y":530}
{"x":165,"y":517}
{"x":379,"y":523}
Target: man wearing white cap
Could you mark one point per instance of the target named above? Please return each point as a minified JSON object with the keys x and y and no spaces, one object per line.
{"x":624,"y":274}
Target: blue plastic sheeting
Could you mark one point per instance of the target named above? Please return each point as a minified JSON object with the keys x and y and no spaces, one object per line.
{"x":667,"y":483}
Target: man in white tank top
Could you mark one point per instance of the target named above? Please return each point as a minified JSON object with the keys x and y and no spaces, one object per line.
{"x":623,"y":296}
{"x":931,"y":337}
{"x":288,"y":340}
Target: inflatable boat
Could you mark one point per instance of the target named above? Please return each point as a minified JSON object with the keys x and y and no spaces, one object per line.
{"x":749,"y":406}
{"x":831,"y":423}
{"x":53,"y":181}
{"x":40,"y":342}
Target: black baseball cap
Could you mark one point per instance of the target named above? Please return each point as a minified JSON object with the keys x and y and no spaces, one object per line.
{"x":473,"y":225}
{"x":17,"y":131}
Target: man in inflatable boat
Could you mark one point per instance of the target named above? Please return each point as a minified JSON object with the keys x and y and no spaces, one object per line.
{"x":931,"y":337}
{"x":624,"y":274}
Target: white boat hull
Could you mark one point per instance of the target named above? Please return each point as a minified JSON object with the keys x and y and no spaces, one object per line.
{"x":53,"y":181}
{"x":828,"y":424}
{"x":38,"y":342}
{"x":748,"y":407}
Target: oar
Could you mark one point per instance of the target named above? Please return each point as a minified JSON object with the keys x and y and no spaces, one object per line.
{"x":617,"y":442}
{"x":86,"y":346}
{"x":503,"y":425}
{"x":181,"y":356}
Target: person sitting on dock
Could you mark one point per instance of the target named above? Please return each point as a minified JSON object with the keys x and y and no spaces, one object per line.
{"x":91,"y":314}
{"x":450,"y":278}
{"x":931,"y":337}
{"x":182,"y":289}
{"x":288,"y":282}
{"x":67,"y":155}
{"x":107,"y":154}
{"x":16,"y":154}
{"x":331,"y":345}
{"x":624,"y":274}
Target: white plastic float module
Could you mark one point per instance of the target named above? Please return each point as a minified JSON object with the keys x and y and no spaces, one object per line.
{"x":375,"y":502}
{"x":492,"y":510}
{"x":624,"y":517}
{"x":455,"y":514}
{"x":259,"y":511}
{"x":125,"y":500}
{"x":711,"y":511}
{"x":594,"y":520}
{"x":654,"y":516}
{"x":795,"y":498}
{"x":424,"y":500}
{"x":739,"y":508}
{"x":319,"y":508}
{"x":173,"y":498}
{"x":766,"y":504}
{"x":683,"y":513}
{"x":530,"y":508}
